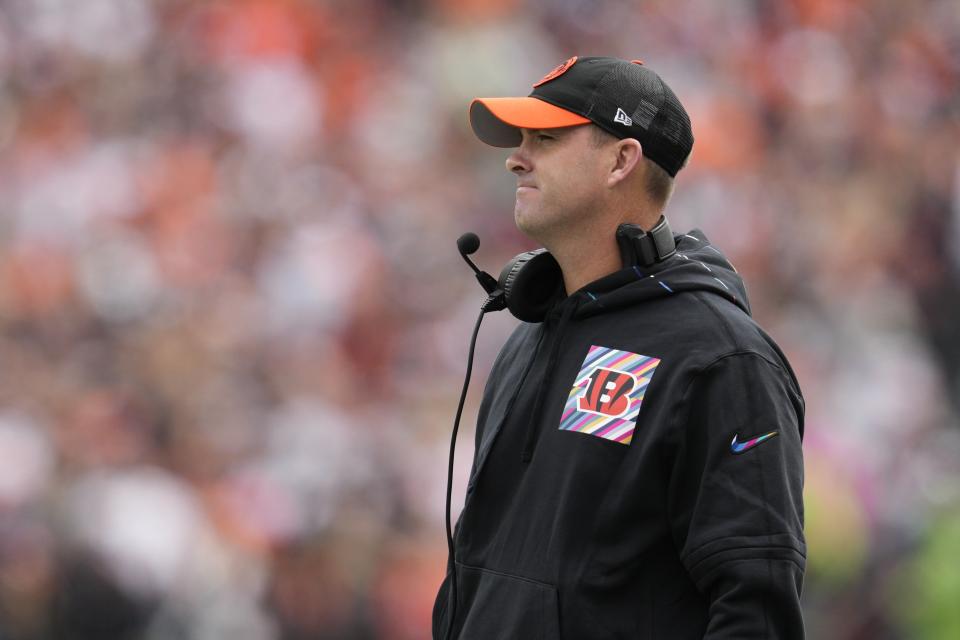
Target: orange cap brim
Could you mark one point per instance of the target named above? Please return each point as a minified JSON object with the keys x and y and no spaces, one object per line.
{"x":497,"y":121}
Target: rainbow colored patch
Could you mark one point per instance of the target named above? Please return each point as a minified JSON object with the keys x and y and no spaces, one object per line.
{"x":606,"y":397}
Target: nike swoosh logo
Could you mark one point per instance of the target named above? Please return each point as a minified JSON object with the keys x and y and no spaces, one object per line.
{"x":740,"y":447}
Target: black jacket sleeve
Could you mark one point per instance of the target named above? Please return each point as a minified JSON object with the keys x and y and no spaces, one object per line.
{"x":737,"y":516}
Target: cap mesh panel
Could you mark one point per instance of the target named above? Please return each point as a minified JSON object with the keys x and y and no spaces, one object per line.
{"x":660,"y":122}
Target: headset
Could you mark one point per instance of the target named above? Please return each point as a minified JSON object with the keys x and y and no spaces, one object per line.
{"x":532,"y":282}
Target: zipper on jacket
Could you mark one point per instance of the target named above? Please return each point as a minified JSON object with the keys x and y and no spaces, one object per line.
{"x":533,"y":425}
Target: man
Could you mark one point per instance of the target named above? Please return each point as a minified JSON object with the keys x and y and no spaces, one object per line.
{"x":638,"y":469}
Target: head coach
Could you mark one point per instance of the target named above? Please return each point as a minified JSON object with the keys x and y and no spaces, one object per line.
{"x":638,"y":469}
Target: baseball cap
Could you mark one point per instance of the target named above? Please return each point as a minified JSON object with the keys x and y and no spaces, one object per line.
{"x":624,"y":98}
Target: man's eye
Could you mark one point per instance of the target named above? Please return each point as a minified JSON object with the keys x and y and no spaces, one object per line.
{"x":543,"y":136}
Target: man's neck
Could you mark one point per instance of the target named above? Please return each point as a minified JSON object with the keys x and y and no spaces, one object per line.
{"x":587,"y":262}
{"x":595,"y":254}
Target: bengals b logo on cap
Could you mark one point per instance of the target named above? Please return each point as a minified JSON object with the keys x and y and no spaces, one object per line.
{"x":559,"y":70}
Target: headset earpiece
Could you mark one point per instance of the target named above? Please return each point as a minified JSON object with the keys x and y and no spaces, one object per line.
{"x":531,"y":282}
{"x":644,"y":248}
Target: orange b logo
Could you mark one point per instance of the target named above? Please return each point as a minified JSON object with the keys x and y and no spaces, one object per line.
{"x":557,"y":71}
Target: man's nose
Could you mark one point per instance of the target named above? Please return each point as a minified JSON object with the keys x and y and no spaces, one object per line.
{"x":517,"y":162}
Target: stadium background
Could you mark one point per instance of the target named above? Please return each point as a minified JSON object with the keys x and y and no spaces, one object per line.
{"x":233,"y":322}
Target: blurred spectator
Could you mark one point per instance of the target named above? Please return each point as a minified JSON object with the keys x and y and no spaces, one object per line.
{"x":233,"y":324}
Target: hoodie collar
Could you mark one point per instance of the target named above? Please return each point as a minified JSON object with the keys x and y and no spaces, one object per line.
{"x":696,"y":266}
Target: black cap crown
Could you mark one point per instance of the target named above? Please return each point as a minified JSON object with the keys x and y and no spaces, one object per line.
{"x":626,"y":99}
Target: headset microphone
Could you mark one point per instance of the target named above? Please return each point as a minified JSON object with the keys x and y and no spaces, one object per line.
{"x":468,"y":244}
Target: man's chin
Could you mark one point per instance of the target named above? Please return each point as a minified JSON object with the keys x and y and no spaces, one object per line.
{"x":530,"y":224}
{"x":524,"y":219}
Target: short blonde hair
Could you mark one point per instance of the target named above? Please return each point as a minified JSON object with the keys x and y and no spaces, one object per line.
{"x":659,"y":184}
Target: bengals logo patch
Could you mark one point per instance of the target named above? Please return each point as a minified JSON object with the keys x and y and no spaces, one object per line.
{"x":607,"y":393}
{"x":559,"y":70}
{"x":606,"y":396}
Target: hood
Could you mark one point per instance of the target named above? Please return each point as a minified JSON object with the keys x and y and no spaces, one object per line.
{"x":696,"y":266}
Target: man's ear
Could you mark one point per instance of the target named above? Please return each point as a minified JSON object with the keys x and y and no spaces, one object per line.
{"x":629,"y":152}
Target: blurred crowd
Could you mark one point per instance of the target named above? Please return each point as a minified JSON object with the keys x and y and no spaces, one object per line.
{"x":234,"y":323}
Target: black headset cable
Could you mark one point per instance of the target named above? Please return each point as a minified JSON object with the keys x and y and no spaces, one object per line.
{"x":452,"y":561}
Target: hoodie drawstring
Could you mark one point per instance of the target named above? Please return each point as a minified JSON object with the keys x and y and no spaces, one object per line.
{"x":533,"y":424}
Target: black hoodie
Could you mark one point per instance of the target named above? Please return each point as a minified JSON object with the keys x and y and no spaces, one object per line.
{"x":625,"y":481}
